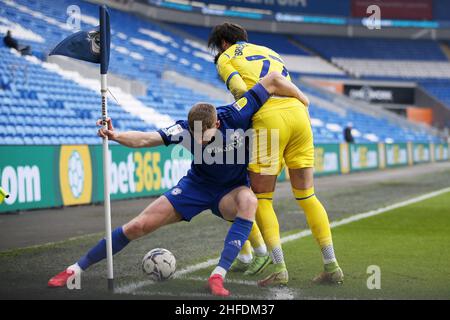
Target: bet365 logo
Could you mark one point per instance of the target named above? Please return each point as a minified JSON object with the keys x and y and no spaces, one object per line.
{"x":74,"y":281}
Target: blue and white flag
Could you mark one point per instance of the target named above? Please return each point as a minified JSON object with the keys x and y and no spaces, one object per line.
{"x":92,"y":46}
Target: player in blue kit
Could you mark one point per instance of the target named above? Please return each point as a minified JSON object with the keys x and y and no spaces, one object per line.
{"x":217,"y":179}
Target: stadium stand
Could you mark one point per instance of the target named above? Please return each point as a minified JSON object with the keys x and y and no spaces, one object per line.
{"x":328,"y":125}
{"x":441,"y":10}
{"x":382,"y":58}
{"x":24,"y":17}
{"x":42,"y":104}
{"x":39,"y":106}
{"x":438,"y":89}
{"x":295,"y":57}
{"x":374,"y":48}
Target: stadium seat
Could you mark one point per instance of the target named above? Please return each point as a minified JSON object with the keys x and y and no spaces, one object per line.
{"x":51,"y":108}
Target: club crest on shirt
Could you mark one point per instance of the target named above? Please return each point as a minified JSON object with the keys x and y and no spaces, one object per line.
{"x":176,"y":191}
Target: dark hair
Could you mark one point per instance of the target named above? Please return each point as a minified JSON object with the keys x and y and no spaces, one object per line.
{"x":204,"y":112}
{"x":216,"y":57}
{"x":228,"y":32}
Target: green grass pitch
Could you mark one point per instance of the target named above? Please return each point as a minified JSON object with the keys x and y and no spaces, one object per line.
{"x":408,"y":244}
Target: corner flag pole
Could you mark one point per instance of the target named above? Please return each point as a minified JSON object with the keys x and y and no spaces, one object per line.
{"x":104,"y":62}
{"x":94,"y":46}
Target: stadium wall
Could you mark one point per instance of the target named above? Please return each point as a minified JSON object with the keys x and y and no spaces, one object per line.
{"x":54,"y":176}
{"x":154,"y":12}
{"x":144,"y":9}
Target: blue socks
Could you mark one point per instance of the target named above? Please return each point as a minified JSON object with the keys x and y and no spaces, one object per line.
{"x":98,"y":252}
{"x":236,"y":237}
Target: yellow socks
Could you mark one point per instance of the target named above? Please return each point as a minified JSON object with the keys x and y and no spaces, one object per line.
{"x":257,"y":241}
{"x":268,"y":224}
{"x":246,"y":253}
{"x":317,"y":219}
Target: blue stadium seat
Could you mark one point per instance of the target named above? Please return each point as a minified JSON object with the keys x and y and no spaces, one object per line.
{"x":49,"y":109}
{"x":374,"y":48}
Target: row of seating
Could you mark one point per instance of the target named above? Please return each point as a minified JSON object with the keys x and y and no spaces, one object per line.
{"x":439,"y":89}
{"x":47,"y":101}
{"x":373,"y":48}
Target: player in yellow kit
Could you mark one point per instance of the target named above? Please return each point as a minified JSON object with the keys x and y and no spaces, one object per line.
{"x":282,"y":135}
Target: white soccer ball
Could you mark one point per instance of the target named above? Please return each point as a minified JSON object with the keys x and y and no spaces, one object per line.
{"x":159,"y":264}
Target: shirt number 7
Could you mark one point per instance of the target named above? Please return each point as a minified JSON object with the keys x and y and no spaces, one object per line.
{"x":266,"y":64}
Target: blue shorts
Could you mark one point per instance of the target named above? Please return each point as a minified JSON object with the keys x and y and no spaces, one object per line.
{"x":189,"y":197}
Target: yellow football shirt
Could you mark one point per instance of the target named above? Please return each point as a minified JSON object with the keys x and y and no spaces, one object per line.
{"x":243,"y":64}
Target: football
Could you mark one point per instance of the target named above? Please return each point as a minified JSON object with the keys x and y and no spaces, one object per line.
{"x":159,"y":264}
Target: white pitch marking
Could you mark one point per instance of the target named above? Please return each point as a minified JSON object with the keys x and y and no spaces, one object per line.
{"x":131,"y":287}
{"x":211,"y":262}
{"x":196,"y":267}
{"x":283,"y":293}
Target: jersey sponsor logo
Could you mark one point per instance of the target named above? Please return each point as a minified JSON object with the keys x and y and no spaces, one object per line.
{"x":176,"y":191}
{"x":238,"y":105}
{"x":173,"y":130}
{"x":236,"y":141}
{"x":238,"y":51}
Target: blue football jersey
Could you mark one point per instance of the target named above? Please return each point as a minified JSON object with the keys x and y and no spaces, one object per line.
{"x":224,"y":160}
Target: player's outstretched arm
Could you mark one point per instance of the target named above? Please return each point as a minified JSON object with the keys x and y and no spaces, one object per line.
{"x":276,"y":84}
{"x":132,"y":139}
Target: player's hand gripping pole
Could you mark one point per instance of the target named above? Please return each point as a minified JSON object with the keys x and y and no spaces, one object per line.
{"x":104,"y":62}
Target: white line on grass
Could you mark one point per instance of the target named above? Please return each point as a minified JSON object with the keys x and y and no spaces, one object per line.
{"x":211,"y":262}
{"x":369,"y":214}
{"x":134,"y":286}
{"x":199,"y":266}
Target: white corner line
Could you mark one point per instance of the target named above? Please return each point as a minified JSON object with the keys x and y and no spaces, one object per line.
{"x":211,"y":262}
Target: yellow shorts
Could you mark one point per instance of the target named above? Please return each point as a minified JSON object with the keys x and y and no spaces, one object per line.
{"x":282,"y":130}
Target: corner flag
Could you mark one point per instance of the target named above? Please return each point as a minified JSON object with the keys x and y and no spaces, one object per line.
{"x":91,"y":46}
{"x":94,"y":46}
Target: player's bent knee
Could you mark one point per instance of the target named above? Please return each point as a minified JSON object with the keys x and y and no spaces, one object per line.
{"x":252,"y":202}
{"x":247,"y":204}
{"x":134,"y":229}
